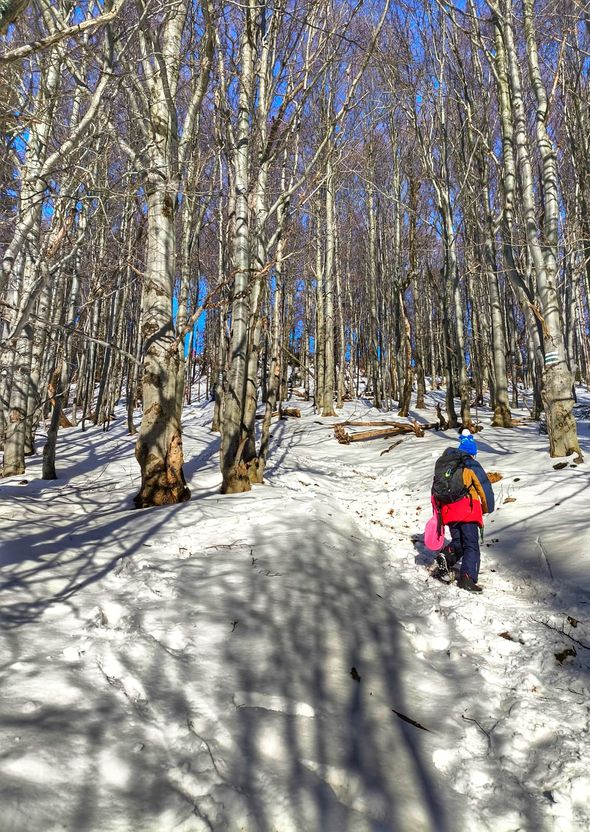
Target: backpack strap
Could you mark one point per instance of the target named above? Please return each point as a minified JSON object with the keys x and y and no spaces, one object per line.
{"x":437,"y":509}
{"x":440,"y":524}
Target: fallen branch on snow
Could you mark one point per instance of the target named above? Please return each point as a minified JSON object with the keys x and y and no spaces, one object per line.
{"x":391,"y":447}
{"x":395,"y":428}
{"x":561,"y":631}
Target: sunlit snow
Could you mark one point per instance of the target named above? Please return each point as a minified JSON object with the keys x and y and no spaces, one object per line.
{"x":282,"y":660}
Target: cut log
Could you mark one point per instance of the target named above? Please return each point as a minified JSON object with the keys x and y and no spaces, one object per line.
{"x":341,"y":435}
{"x":286,"y":411}
{"x":377,"y":424}
{"x":362,"y":424}
{"x":474,"y":427}
{"x":346,"y":438}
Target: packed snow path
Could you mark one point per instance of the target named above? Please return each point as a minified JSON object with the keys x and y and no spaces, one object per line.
{"x":281,"y":661}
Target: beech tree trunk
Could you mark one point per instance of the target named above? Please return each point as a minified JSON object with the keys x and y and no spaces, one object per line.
{"x":557,"y":394}
{"x":374,"y":369}
{"x":159,"y":449}
{"x":233,"y":437}
{"x":329,"y":364}
{"x":159,"y":443}
{"x":557,"y":387}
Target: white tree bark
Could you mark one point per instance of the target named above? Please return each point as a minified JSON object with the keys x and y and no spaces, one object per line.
{"x":557,"y":389}
{"x":233,"y":440}
{"x":159,"y":449}
{"x":329,"y":365}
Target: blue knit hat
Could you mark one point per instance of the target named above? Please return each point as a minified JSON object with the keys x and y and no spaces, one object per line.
{"x":467,"y":443}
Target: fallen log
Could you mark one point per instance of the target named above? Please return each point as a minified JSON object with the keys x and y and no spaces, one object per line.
{"x":474,"y":427}
{"x":408,"y":427}
{"x":385,"y":429}
{"x":377,"y":424}
{"x":286,"y":411}
{"x":346,"y":438}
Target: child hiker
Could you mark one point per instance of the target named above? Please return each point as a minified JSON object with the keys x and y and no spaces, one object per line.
{"x":462,"y":494}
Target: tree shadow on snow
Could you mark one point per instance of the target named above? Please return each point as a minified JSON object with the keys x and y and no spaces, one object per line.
{"x":318,"y":668}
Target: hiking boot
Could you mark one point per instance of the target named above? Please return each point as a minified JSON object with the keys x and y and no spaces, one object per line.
{"x":441,"y":571}
{"x":466,"y":582}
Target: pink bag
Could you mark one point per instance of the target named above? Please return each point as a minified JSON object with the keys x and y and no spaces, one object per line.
{"x":433,"y":538}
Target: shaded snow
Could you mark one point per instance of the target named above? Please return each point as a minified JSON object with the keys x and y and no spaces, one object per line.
{"x":191,"y":668}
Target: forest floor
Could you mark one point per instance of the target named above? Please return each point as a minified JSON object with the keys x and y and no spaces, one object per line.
{"x":281,"y":660}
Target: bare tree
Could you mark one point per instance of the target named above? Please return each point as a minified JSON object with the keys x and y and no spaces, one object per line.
{"x":542,"y":243}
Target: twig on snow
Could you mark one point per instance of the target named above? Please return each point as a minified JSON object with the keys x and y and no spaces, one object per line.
{"x":481,"y":728}
{"x":562,"y":631}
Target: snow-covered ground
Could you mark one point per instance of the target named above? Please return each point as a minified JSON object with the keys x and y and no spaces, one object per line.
{"x":282,"y":661}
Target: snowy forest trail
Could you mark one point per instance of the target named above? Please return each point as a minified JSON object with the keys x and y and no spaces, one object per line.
{"x":280,"y":661}
{"x":513,"y":716}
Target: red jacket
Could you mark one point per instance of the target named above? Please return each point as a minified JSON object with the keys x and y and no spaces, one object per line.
{"x":472,"y":508}
{"x":466,"y":510}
